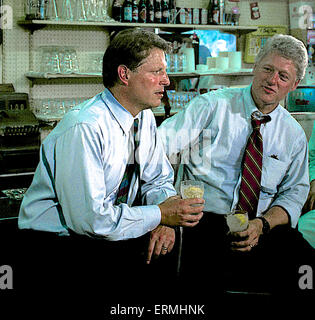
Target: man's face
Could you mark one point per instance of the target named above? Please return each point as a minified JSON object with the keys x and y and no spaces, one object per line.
{"x":146,"y":84}
{"x":274,"y":78}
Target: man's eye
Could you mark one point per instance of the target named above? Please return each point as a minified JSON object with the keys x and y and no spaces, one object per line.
{"x":267,"y":69}
{"x":284,"y":77}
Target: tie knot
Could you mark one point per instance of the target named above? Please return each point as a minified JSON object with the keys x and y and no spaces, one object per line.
{"x":257,"y":122}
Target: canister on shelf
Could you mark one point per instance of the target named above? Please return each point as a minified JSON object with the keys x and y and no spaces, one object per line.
{"x":196,"y":15}
{"x":203,"y":16}
{"x":181,"y":15}
{"x":189,"y":15}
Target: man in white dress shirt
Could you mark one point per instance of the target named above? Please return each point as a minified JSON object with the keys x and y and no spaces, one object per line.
{"x":208,"y":139}
{"x":75,"y":190}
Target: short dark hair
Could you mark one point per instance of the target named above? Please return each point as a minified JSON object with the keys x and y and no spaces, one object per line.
{"x":129,"y":47}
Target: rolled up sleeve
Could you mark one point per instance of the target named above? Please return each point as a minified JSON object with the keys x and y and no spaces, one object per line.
{"x":294,"y":188}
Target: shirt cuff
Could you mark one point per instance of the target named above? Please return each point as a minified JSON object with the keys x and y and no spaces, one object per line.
{"x":151,"y":217}
{"x":291,"y":209}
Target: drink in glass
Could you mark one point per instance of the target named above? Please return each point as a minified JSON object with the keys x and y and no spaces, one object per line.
{"x":237,"y":220}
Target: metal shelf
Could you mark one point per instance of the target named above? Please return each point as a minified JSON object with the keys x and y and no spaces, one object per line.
{"x":43,"y":75}
{"x":211,"y":72}
{"x":38,"y":24}
{"x":31,"y":75}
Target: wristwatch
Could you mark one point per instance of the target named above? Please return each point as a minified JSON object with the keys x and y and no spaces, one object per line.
{"x":266,"y":225}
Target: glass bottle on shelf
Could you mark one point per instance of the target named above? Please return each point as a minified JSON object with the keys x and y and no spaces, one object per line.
{"x":142,"y":11}
{"x":30,"y":10}
{"x":157,"y":11}
{"x":165,"y":12}
{"x":51,"y":11}
{"x":66,"y":11}
{"x":210,"y":7}
{"x":215,"y":12}
{"x":127,"y":11}
{"x":135,"y":11}
{"x":221,"y":8}
{"x":181,"y":57}
{"x":172,"y":10}
{"x":34,"y":9}
{"x":117,"y":10}
{"x":195,"y":44}
{"x":150,"y":11}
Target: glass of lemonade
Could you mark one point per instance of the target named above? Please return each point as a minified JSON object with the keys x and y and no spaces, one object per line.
{"x":237,"y":220}
{"x":191,"y":189}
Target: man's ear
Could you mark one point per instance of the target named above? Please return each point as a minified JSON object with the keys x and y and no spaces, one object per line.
{"x":295,"y":85}
{"x":123,"y":74}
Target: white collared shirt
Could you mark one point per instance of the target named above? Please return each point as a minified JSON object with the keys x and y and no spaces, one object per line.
{"x":87,"y":153}
{"x":210,"y":135}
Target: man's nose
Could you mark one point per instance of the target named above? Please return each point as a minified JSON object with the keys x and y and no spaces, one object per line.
{"x":273,"y":77}
{"x":165,"y":81}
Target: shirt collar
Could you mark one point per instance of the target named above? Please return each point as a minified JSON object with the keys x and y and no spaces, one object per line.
{"x":250,"y":105}
{"x":122,"y":116}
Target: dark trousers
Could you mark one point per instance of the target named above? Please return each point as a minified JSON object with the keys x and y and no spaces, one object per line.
{"x":77,"y":273}
{"x":272,"y":266}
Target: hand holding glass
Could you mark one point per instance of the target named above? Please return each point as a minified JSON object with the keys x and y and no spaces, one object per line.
{"x":191,"y":189}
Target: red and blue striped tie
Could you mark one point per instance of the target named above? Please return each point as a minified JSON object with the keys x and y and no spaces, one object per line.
{"x":252,"y":167}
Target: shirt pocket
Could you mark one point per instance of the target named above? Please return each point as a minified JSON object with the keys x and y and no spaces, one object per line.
{"x":273,"y":171}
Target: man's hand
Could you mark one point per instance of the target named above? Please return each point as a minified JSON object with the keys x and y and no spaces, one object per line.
{"x":162,"y":241}
{"x":246,"y":240}
{"x":310,"y":202}
{"x":181,"y":212}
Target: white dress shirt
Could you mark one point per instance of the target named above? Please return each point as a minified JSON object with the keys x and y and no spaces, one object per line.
{"x":210,"y":135}
{"x":87,"y":153}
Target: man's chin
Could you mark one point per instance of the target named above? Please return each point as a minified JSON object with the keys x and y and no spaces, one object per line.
{"x":153,"y":106}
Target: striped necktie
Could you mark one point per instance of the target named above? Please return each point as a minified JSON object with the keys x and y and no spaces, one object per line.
{"x":131,"y":168}
{"x":252,"y":167}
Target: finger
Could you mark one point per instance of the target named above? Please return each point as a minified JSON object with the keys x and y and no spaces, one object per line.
{"x":192,"y":217}
{"x":239,"y":244}
{"x":171,"y":246}
{"x":189,"y":224}
{"x":158,"y":248}
{"x":242,"y":244}
{"x":243,"y":249}
{"x":246,"y":241}
{"x":150,"y":251}
{"x":194,"y":201}
{"x":243,"y":234}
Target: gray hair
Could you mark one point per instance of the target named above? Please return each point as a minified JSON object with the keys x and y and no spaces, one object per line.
{"x":288,"y":47}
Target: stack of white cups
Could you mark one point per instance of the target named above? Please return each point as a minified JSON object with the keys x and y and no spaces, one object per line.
{"x":227,"y":60}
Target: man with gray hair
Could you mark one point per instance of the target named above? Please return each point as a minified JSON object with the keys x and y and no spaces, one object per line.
{"x":251,"y":155}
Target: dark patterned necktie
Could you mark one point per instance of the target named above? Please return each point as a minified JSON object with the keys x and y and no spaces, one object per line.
{"x":131,"y":168}
{"x":252,"y":167}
